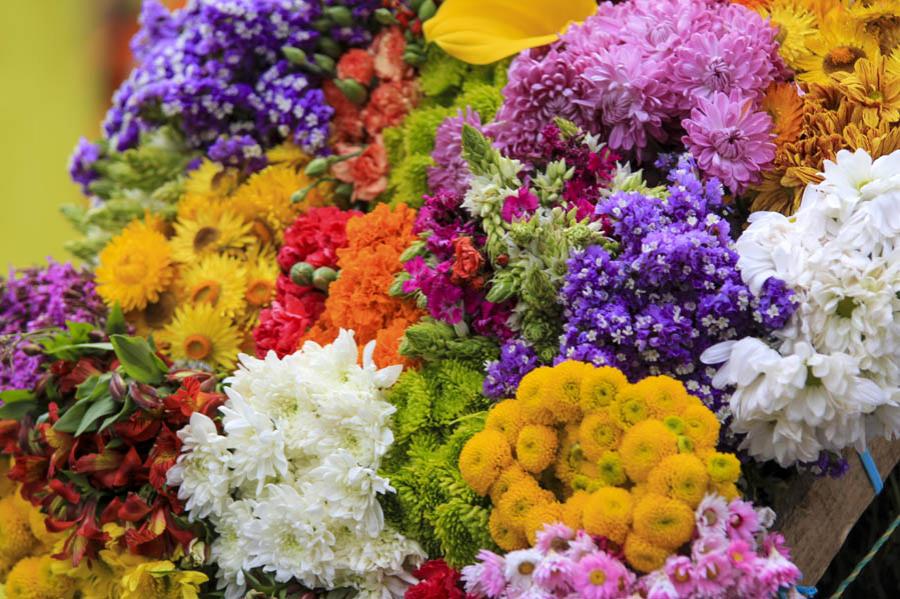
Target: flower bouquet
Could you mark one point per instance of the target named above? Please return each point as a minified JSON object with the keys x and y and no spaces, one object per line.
{"x":469,"y":300}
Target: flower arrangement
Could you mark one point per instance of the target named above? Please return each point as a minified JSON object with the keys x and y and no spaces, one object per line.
{"x":366,"y":281}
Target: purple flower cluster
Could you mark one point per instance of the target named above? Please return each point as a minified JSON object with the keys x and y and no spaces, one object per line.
{"x":644,"y":72}
{"x":32,"y":299}
{"x":216,"y":69}
{"x":356,"y":34}
{"x":517,"y":358}
{"x":451,"y":171}
{"x":448,"y":297}
{"x":81,"y":163}
{"x":671,"y":291}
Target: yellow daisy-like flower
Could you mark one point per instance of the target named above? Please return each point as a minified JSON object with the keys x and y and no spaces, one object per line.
{"x":644,"y":446}
{"x":644,"y":556}
{"x":892,"y":65}
{"x":198,"y":333}
{"x":631,"y":406}
{"x":838,"y":46}
{"x":16,"y":540}
{"x":135,"y":267}
{"x":573,"y":509}
{"x":33,"y":578}
{"x":723,"y":467}
{"x":162,"y":580}
{"x":701,"y":426}
{"x":563,"y":393}
{"x":155,"y":315}
{"x":507,"y":536}
{"x":538,"y":516}
{"x":531,"y":392}
{"x":610,"y":469}
{"x":682,"y":476}
{"x":265,"y":199}
{"x":262,"y":272}
{"x":518,"y":501}
{"x":663,"y":521}
{"x":881,"y":20}
{"x":482,"y":459}
{"x":598,"y":433}
{"x":784,"y":105}
{"x":599,"y":388}
{"x":795,"y":24}
{"x":506,"y":417}
{"x":207,"y":233}
{"x":217,"y":280}
{"x":207,"y":188}
{"x":875,"y":92}
{"x":536,"y":447}
{"x":512,"y":476}
{"x":608,"y":513}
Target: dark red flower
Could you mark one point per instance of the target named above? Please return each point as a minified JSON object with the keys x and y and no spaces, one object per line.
{"x":162,"y":456}
{"x":357,"y":64}
{"x":467,"y":259}
{"x":437,"y":581}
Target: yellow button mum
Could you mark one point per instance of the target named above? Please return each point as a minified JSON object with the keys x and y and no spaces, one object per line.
{"x":642,"y":555}
{"x":536,"y":447}
{"x":484,"y":31}
{"x":608,"y":513}
{"x":644,"y":446}
{"x":682,"y":476}
{"x":599,"y":388}
{"x":662,"y":521}
{"x":508,"y":536}
{"x":483,"y":458}
{"x":506,"y":417}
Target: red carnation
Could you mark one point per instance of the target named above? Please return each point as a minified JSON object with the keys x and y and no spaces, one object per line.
{"x":389,"y":104}
{"x":437,"y":581}
{"x":356,"y":64}
{"x":388,"y":47}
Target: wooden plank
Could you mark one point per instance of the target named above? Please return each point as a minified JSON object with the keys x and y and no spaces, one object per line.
{"x":816,"y":514}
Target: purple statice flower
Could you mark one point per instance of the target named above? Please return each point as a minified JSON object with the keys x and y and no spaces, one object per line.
{"x":522,"y":204}
{"x":240,"y":151}
{"x":33,"y":299}
{"x":215,"y":69}
{"x":517,"y":358}
{"x":81,"y":163}
{"x":729,"y":139}
{"x":670,"y":291}
{"x":356,"y":34}
{"x":451,"y":172}
{"x":543,"y":84}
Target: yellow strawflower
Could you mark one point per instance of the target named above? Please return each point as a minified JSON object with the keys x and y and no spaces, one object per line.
{"x":599,"y":388}
{"x":482,"y":459}
{"x":536,"y":447}
{"x":209,"y":232}
{"x":837,"y":47}
{"x":484,"y":31}
{"x":198,"y":333}
{"x":506,"y":417}
{"x":644,"y":446}
{"x":135,"y":267}
{"x":608,"y":512}
{"x":682,"y":476}
{"x":663,"y":521}
{"x":217,"y":280}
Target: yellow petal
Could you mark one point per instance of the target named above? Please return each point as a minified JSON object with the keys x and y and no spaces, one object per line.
{"x":484,"y":31}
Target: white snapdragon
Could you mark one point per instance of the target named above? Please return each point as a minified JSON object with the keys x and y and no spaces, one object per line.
{"x":292,"y":486}
{"x":830,"y":379}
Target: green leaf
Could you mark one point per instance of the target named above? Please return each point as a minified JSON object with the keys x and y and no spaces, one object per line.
{"x":138,"y":359}
{"x":98,"y":410}
{"x":17,"y":409}
{"x":68,"y":422}
{"x":115,"y":321}
{"x":14,"y":395}
{"x":64,"y":350}
{"x":127,"y":406}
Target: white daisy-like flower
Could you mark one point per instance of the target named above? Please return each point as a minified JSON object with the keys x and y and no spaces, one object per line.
{"x":520,"y":566}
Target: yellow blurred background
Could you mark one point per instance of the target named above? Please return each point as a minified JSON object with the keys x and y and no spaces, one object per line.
{"x":52,"y":94}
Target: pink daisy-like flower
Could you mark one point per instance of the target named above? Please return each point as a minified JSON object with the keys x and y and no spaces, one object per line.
{"x":554,"y":573}
{"x":600,"y":576}
{"x":712,"y":516}
{"x":777,"y":571}
{"x":520,"y":567}
{"x":729,"y":139}
{"x":554,"y":537}
{"x":745,"y":564}
{"x":630,"y":99}
{"x":657,"y":585}
{"x":743,"y":523}
{"x":714,"y":574}
{"x":582,"y":545}
{"x":680,"y":570}
{"x":708,"y":544}
{"x":487,"y":577}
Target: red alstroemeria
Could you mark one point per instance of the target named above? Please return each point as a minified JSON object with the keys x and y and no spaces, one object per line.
{"x":87,"y":539}
{"x":9,"y":436}
{"x":110,"y":468}
{"x":192,"y":397}
{"x":162,"y":456}
{"x":159,"y":533}
{"x":71,"y":374}
{"x":139,"y":427}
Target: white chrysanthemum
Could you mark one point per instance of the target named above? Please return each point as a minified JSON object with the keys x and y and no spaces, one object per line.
{"x":520,"y":565}
{"x":304,"y":436}
{"x":201,"y":472}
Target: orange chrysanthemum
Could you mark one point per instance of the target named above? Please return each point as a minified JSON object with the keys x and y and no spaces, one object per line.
{"x":784,"y":105}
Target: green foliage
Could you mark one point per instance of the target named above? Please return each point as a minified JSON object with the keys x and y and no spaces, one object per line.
{"x":441,"y":73}
{"x":409,"y":180}
{"x":438,"y":409}
{"x":149,"y":177}
{"x":482,"y":97}
{"x":419,"y":129}
{"x":436,"y":341}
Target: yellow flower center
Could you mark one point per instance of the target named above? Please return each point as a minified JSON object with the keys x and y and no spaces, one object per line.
{"x":737,"y":556}
{"x":262,"y":231}
{"x":681,"y":575}
{"x":259,"y":292}
{"x":598,"y":577}
{"x":205,"y":237}
{"x":197,"y":347}
{"x":160,"y":312}
{"x":206,"y":291}
{"x":526,"y":568}
{"x":132,"y":270}
{"x":842,"y":58}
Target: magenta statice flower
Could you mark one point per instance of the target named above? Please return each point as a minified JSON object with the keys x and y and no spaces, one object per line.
{"x":601,"y":576}
{"x":34,"y":299}
{"x":451,"y":172}
{"x":729,"y":139}
{"x":520,"y":205}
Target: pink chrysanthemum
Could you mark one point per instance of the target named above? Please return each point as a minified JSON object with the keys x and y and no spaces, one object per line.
{"x":487,"y":577}
{"x":729,"y":139}
{"x":743,"y":523}
{"x":630,"y":99}
{"x":601,"y":576}
{"x":554,"y":537}
{"x":680,"y":570}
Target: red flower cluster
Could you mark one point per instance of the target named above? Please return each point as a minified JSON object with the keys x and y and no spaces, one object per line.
{"x":437,"y":580}
{"x":117,"y":474}
{"x":313,"y":238}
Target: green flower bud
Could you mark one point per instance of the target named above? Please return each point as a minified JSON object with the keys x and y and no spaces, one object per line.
{"x":427,"y":10}
{"x":330,"y":47}
{"x":323,"y":277}
{"x":302,"y":273}
{"x":294,"y":55}
{"x":316,"y":167}
{"x":385,"y":17}
{"x":324,"y":62}
{"x":340,"y":15}
{"x":353,"y":89}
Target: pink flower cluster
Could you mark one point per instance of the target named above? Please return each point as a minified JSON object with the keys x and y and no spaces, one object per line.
{"x":732,"y":555}
{"x":647,"y":73}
